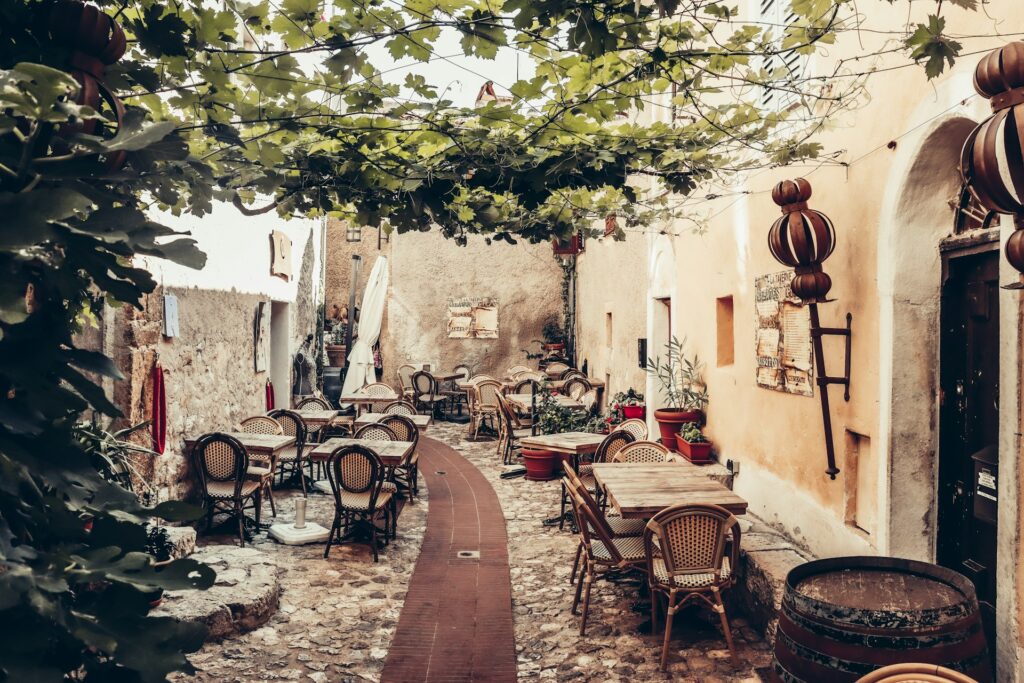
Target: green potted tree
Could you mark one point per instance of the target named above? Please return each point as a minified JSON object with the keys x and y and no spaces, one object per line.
{"x":681,"y":383}
{"x":554,"y":335}
{"x":692,"y":444}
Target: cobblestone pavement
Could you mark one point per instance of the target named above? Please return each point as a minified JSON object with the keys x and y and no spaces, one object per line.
{"x":548,"y":644}
{"x":337,"y":615}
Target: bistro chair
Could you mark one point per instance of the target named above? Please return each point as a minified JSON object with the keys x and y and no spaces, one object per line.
{"x":356,"y":477}
{"x":915,"y":673}
{"x":611,"y":445}
{"x":376,"y":432}
{"x":516,"y":369}
{"x":615,"y":526}
{"x":685,"y":550}
{"x":313,"y":403}
{"x":223,"y":464}
{"x":290,"y":460}
{"x":511,"y":429}
{"x":425,"y":393}
{"x":526,"y":386}
{"x":486,"y":399}
{"x":575,"y":387}
{"x":456,"y":396}
{"x":570,"y":373}
{"x":378,"y":390}
{"x":589,"y":399}
{"x":531,"y":374}
{"x":642,"y":452}
{"x":399,"y":408}
{"x":601,"y":552}
{"x":635,"y":426}
{"x":556,"y":369}
{"x":261,"y":467}
{"x":405,"y":373}
{"x":406,"y":473}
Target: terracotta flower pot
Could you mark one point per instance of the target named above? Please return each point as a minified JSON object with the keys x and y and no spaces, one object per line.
{"x":540,"y":465}
{"x":671,"y":419}
{"x":697,"y":453}
{"x":336,"y":355}
{"x":634,"y":412}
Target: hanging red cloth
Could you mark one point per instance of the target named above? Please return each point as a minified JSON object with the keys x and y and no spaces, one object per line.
{"x":270,"y":395}
{"x":159,"y":419}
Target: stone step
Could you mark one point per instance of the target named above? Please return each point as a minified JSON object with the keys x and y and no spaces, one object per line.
{"x":184,"y":540}
{"x":243,"y":598}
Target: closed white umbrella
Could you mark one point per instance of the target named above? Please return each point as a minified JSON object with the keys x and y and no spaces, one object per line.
{"x":360,"y":359}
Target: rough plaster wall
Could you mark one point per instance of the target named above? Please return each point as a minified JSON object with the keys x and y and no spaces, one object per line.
{"x":612,"y":278}
{"x":304,"y":313}
{"x":427,"y":269}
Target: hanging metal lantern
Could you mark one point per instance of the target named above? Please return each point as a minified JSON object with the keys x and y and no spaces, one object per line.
{"x":801,"y":239}
{"x":992,"y":162}
{"x":94,"y":41}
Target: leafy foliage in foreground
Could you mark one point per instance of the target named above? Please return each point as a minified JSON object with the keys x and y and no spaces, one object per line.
{"x":75,"y":580}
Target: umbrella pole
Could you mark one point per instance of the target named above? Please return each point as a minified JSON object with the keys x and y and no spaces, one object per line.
{"x":357,"y":263}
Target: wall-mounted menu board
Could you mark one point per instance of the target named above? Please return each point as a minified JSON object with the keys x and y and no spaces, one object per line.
{"x":783,"y":337}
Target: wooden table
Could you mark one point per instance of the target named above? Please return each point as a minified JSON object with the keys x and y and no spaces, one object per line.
{"x":314,"y":417}
{"x":560,"y":383}
{"x":524,"y":402}
{"x":368,"y":400}
{"x":421,"y":421}
{"x":639,"y":491}
{"x":391,"y":453}
{"x":447,"y":377}
{"x":256,"y":444}
{"x":571,"y":443}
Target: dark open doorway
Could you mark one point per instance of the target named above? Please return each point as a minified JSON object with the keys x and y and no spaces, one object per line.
{"x":969,"y":423}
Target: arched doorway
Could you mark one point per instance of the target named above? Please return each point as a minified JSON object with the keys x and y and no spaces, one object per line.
{"x":661,"y":293}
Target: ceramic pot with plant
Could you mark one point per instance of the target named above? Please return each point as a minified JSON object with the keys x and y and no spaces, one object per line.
{"x":692,"y":444}
{"x":681,"y":384}
{"x":629,"y":404}
{"x":554,"y":335}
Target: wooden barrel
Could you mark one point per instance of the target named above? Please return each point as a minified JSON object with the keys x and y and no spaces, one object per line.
{"x":844,"y":617}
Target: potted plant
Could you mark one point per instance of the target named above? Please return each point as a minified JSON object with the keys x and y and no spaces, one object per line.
{"x":692,"y":444}
{"x":682,"y":385}
{"x":554,"y":335}
{"x":629,"y":404}
{"x":336,"y":346}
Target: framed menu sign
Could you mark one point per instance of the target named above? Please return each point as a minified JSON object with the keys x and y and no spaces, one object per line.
{"x":783,"y":337}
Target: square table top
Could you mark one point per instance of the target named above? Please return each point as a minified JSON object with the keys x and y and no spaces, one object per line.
{"x":364,"y":399}
{"x":639,"y":491}
{"x":421,"y":421}
{"x":577,"y":443}
{"x":256,"y":444}
{"x":390,"y":453}
{"x":559,"y":383}
{"x":525,"y":401}
{"x":316,"y":416}
{"x":447,"y":376}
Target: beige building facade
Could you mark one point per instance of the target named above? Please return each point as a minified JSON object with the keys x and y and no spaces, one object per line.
{"x":901,"y":268}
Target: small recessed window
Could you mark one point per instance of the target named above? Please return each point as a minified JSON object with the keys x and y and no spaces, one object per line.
{"x":353,"y":233}
{"x":608,"y":330}
{"x":726,"y":340}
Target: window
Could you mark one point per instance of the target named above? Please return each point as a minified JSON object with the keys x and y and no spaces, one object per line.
{"x":726,"y":345}
{"x":608,"y":330}
{"x":785,"y":68}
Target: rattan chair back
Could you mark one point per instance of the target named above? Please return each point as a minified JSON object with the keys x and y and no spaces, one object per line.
{"x":531,"y":374}
{"x":516,"y":369}
{"x":480,"y":378}
{"x":591,"y":528}
{"x":291,"y":424}
{"x":376,"y":432}
{"x":424,"y":384}
{"x":581,"y":490}
{"x":570,"y":373}
{"x":635,"y":426}
{"x":220,"y":458}
{"x":405,"y":373}
{"x":692,"y":539}
{"x":463,"y":372}
{"x":313,"y":402}
{"x":355,"y":470}
{"x":378,"y":390}
{"x":642,"y":452}
{"x":402,"y":426}
{"x":612,"y":444}
{"x":487,"y":393}
{"x":576,"y":387}
{"x":261,"y":424}
{"x":526,"y":386}
{"x":557,"y":368}
{"x":399,"y":408}
{"x":915,"y":673}
{"x":589,"y":399}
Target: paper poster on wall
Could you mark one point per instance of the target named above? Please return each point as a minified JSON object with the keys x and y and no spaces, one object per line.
{"x":280,"y":255}
{"x":470,"y":318}
{"x":261,"y":336}
{"x":783,"y":337}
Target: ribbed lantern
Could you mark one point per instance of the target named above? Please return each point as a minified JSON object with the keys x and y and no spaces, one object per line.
{"x":94,"y":41}
{"x":801,"y":239}
{"x":993,"y":155}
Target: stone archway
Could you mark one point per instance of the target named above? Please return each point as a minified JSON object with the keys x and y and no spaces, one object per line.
{"x":909,"y":280}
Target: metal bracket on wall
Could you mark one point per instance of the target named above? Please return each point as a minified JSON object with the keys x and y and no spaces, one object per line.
{"x":847,"y":332}
{"x":824,"y":380}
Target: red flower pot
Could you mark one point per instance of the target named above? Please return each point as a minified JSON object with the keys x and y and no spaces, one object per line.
{"x":540,"y":465}
{"x":697,"y":453}
{"x":634,"y":412}
{"x":671,"y":419}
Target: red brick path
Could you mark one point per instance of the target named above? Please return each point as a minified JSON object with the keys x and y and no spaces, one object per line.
{"x":456,"y":623}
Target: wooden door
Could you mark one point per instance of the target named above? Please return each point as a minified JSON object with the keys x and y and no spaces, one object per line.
{"x":969,"y":424}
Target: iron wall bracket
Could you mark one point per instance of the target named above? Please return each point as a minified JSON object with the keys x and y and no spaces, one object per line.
{"x":824,"y":379}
